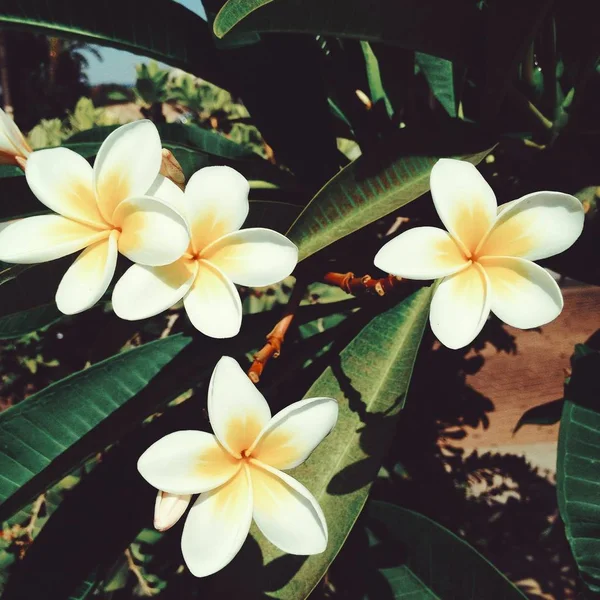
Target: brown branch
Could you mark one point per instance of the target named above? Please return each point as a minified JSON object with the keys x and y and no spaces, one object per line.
{"x":365,"y":284}
{"x":275,"y":338}
{"x":35,"y":513}
{"x":145,"y":588}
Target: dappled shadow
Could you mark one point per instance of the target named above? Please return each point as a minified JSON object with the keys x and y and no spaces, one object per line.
{"x":458,"y":404}
{"x":500,"y":503}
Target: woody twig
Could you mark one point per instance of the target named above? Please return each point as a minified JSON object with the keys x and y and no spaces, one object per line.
{"x":365,"y":284}
{"x":275,"y":338}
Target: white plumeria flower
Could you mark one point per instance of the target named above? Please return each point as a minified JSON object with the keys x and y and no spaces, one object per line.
{"x":238,"y":472}
{"x":485,"y":256}
{"x":118,"y":206}
{"x":216,"y":205}
{"x":14,"y":149}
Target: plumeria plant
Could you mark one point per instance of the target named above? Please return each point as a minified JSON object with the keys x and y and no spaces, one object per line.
{"x":155,"y":446}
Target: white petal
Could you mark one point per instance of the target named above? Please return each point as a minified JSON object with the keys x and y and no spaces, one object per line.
{"x":169,"y":508}
{"x":143,"y":292}
{"x":536,"y":226}
{"x":287,"y":514}
{"x":217,"y":203}
{"x":237,"y":410}
{"x":187,"y":462}
{"x":523,"y":294}
{"x":464,"y":201}
{"x":217,"y":526}
{"x":63,"y":181}
{"x":88,"y":277}
{"x":46,"y":237}
{"x":460,"y":307}
{"x":254,"y":257}
{"x":12,"y":142}
{"x":153,"y":233}
{"x":164,"y":189}
{"x":293,"y":433}
{"x":213,"y":303}
{"x":421,"y":253}
{"x":127,"y":164}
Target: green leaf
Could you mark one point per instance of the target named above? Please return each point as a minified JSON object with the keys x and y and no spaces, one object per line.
{"x":48,"y":424}
{"x":543,"y":414}
{"x":376,"y":89}
{"x":369,"y":188}
{"x":440,"y":77}
{"x":17,"y":324}
{"x":124,"y":24}
{"x":578,"y":484}
{"x":91,"y":505}
{"x":369,"y":378}
{"x":440,"y":28}
{"x":194,"y":148}
{"x":437,"y":563}
{"x":177,"y":133}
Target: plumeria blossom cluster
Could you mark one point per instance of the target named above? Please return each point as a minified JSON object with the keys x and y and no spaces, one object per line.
{"x":184,"y":245}
{"x":485,"y":256}
{"x":239,"y":473}
{"x":187,"y":245}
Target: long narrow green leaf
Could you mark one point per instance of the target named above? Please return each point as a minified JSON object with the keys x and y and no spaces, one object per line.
{"x":578,"y":484}
{"x":47,"y":425}
{"x":146,"y":29}
{"x":176,"y":133}
{"x":437,"y":563}
{"x":369,"y":188}
{"x":18,"y":324}
{"x":370,"y":379}
{"x":434,"y":26}
{"x":376,"y":89}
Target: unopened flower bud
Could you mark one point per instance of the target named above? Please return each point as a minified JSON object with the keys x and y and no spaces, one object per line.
{"x":171,"y":169}
{"x":169,"y":508}
{"x":14,"y":149}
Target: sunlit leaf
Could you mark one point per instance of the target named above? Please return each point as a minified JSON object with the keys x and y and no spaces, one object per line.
{"x":369,"y":188}
{"x":46,"y":426}
{"x":370,"y":379}
{"x":376,"y":89}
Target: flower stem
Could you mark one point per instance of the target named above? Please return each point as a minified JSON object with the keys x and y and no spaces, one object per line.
{"x":365,"y":284}
{"x":275,"y":338}
{"x":145,"y":588}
